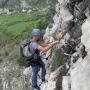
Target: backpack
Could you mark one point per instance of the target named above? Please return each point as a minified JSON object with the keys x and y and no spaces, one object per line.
{"x":25,"y":48}
{"x":26,"y":52}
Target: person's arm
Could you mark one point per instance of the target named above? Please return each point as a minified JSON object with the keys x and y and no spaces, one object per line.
{"x":44,"y":45}
{"x":45,"y":49}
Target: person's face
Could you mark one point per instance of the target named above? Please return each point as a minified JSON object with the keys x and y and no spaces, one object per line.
{"x":39,"y":38}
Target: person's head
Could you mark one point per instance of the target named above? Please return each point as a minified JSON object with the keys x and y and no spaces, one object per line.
{"x":37,"y":34}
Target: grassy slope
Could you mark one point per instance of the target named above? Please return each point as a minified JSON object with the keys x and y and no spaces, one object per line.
{"x":16,"y":27}
{"x":16,"y":23}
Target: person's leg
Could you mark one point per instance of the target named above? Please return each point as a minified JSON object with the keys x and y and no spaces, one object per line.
{"x":43,"y":73}
{"x":34,"y":76}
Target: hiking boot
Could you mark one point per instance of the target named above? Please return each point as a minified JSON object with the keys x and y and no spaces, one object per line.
{"x":43,"y":80}
{"x":36,"y":88}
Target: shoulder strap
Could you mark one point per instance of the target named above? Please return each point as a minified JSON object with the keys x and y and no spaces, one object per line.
{"x":29,"y":45}
{"x":35,"y":51}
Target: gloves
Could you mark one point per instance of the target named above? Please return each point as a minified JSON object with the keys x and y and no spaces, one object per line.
{"x":55,"y":42}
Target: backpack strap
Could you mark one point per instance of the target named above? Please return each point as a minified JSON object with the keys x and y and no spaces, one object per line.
{"x":29,"y":45}
{"x":36,"y":52}
{"x":29,"y":48}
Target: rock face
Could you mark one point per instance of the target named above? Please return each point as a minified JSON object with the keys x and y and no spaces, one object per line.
{"x":74,"y":34}
{"x":80,"y":75}
{"x":11,"y":77}
{"x":71,"y":28}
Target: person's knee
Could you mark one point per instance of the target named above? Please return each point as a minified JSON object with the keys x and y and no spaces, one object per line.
{"x":44,"y":70}
{"x":43,"y":65}
{"x":34,"y":76}
{"x":35,"y":72}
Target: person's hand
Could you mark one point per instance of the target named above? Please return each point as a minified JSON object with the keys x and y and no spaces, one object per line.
{"x":55,"y":42}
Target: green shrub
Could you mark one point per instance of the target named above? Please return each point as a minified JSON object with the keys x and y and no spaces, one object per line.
{"x":58,"y":59}
{"x":21,"y":61}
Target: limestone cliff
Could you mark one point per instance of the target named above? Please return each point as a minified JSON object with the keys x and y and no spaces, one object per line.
{"x":71,"y":27}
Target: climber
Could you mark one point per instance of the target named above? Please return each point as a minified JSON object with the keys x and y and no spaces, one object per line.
{"x":37,"y":36}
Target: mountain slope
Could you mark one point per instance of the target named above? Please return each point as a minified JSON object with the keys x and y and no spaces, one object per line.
{"x":72,"y":30}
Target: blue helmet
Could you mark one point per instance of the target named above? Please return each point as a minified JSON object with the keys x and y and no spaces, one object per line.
{"x":36,"y":32}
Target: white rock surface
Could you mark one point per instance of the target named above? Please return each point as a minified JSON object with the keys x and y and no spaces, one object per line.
{"x":86,"y":34}
{"x":27,"y":71}
{"x":80,"y":74}
{"x":66,"y":83}
{"x":65,"y":14}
